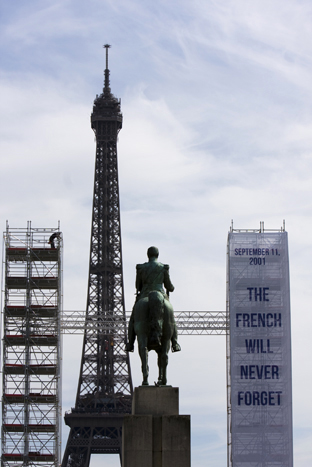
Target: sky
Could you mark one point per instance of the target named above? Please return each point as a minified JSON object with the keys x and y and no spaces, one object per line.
{"x":217,"y":126}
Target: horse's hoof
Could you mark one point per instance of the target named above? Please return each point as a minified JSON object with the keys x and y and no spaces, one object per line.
{"x":129,"y":347}
{"x":176,"y":347}
{"x":162,"y":382}
{"x":145,"y":383}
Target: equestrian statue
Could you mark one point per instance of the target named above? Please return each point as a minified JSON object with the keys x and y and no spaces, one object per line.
{"x":152,"y":318}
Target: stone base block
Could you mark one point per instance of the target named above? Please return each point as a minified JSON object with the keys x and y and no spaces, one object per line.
{"x":156,"y":435}
{"x":156,"y":441}
{"x":137,"y":441}
{"x":154,"y":400}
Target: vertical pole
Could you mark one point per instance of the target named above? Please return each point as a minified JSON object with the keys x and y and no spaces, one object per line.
{"x":228,"y":360}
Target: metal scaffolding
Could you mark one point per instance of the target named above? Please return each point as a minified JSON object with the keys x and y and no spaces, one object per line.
{"x":188,"y":322}
{"x":230,"y":358}
{"x":31,"y":378}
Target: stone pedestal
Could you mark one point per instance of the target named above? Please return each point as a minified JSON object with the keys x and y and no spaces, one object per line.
{"x":155,"y":435}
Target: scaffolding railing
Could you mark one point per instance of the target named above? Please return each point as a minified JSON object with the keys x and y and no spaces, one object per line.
{"x":188,"y":322}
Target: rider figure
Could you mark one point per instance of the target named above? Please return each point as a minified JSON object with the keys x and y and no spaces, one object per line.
{"x":149,"y":277}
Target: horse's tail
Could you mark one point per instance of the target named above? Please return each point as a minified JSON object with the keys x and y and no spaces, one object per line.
{"x":156,"y":316}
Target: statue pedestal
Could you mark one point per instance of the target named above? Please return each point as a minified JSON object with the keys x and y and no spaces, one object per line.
{"x":155,"y":435}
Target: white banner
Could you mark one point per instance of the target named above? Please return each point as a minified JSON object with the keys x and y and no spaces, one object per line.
{"x":260,"y":348}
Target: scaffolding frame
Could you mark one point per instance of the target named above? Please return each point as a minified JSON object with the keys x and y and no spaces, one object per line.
{"x":32,"y":346}
{"x":188,"y":322}
{"x":261,"y":229}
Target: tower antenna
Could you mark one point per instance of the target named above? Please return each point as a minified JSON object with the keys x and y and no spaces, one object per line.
{"x":106,"y":72}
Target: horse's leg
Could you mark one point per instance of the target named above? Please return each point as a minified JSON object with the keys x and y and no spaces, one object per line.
{"x":163,"y":363}
{"x":144,"y":359}
{"x":159,"y":362}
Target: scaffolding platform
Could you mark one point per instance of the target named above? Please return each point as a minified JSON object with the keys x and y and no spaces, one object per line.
{"x":31,"y":337}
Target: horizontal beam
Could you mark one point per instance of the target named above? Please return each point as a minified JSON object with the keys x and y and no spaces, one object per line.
{"x":188,"y":323}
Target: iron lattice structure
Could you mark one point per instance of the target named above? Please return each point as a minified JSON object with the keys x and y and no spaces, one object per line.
{"x":105,"y":390}
{"x":31,"y":400}
{"x":188,"y":322}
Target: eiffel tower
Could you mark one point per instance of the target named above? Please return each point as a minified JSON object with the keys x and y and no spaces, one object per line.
{"x":105,"y":389}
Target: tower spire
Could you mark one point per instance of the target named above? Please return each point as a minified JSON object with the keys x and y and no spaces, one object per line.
{"x":106,"y":89}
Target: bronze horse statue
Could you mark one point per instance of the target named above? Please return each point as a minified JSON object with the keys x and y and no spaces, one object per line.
{"x":152,"y":320}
